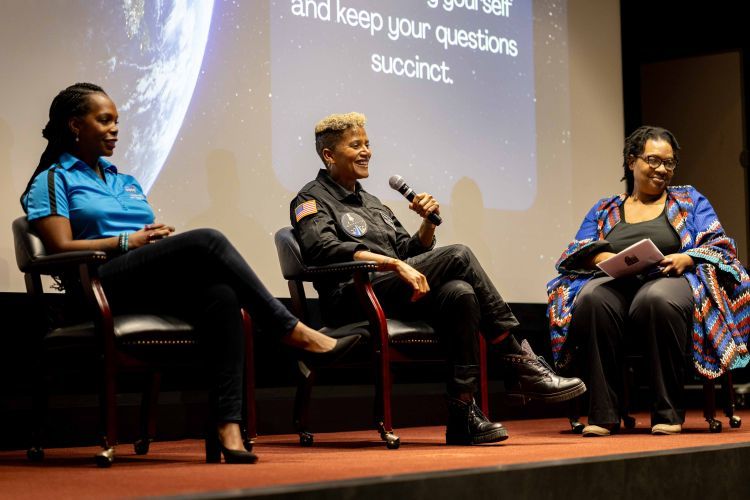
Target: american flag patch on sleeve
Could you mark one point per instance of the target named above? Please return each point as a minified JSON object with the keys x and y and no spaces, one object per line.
{"x":304,"y":209}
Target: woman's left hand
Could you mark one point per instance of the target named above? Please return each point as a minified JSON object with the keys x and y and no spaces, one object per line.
{"x":149,"y":234}
{"x":157,"y":231}
{"x":676,"y":264}
{"x":424,"y":204}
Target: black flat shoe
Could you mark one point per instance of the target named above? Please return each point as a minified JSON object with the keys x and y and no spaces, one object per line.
{"x":214,"y":451}
{"x":318,"y":359}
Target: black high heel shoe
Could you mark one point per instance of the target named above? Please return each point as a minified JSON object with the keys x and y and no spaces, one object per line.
{"x":318,"y":359}
{"x":214,"y":451}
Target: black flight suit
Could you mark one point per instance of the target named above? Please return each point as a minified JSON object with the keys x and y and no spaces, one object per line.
{"x":462,"y":299}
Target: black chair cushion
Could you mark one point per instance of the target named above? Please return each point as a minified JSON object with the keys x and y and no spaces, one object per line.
{"x":28,"y":246}
{"x":290,"y":255}
{"x":143,"y":336}
{"x":415,"y":338}
{"x":399,"y":331}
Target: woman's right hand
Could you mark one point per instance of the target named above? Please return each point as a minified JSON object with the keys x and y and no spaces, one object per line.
{"x":149,"y":234}
{"x":414,"y":278}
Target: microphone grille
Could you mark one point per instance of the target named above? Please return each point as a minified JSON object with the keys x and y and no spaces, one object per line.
{"x":396,"y":181}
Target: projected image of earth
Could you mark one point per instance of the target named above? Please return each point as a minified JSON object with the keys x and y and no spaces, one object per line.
{"x":150,"y":54}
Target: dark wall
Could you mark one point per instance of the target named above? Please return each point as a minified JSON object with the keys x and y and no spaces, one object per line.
{"x":662,"y":30}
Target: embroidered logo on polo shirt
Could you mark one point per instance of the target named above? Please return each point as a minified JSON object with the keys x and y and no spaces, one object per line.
{"x":354,"y":224}
{"x":133,"y":192}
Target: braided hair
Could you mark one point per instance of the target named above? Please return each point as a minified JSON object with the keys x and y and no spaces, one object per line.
{"x":636,"y":143}
{"x":69,"y":103}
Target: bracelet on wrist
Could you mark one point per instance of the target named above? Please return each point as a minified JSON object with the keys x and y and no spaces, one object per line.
{"x":122,"y":242}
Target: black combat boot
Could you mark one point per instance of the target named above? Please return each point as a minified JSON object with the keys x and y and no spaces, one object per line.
{"x":468,"y":425}
{"x":528,"y":375}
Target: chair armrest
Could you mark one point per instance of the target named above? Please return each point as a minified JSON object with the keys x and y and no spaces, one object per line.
{"x":55,"y":263}
{"x":338,"y":270}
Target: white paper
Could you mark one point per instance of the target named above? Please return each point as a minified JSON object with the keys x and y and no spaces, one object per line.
{"x":633,"y":260}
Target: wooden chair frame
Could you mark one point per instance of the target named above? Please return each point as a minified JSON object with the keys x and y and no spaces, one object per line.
{"x":107,"y":334}
{"x":386,"y":335}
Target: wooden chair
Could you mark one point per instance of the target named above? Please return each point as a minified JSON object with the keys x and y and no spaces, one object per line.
{"x":109,"y":344}
{"x":390,"y":340}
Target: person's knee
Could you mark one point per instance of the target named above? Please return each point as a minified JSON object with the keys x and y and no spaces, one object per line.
{"x":462,"y":253}
{"x":652,"y":300}
{"x":591,"y":298}
{"x":457,"y":288}
{"x":456,"y":292}
{"x":206,"y":241}
{"x":208,"y":236}
{"x":457,"y":298}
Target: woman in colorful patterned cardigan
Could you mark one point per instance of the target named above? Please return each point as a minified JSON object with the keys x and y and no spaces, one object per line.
{"x":697,"y":302}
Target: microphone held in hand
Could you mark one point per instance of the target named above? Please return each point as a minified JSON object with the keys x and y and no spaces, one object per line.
{"x":397,"y":182}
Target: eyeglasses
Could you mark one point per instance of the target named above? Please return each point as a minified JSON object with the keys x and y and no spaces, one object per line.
{"x":655,"y":162}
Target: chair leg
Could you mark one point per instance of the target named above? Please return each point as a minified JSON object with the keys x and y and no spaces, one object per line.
{"x":727,"y":389}
{"x":574,"y":416}
{"x":483,"y":388}
{"x":378,"y":408}
{"x":40,"y":406}
{"x":149,"y":401}
{"x":108,"y":408}
{"x":385,"y":424}
{"x":709,"y":406}
{"x":628,"y":385}
{"x":250,"y":427}
{"x":302,"y":404}
{"x":574,"y":411}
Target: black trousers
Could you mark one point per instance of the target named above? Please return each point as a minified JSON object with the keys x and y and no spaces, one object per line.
{"x":200,"y":277}
{"x":462,"y":302}
{"x":653,"y":317}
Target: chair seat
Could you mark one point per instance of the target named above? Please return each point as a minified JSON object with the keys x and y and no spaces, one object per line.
{"x":400,"y":332}
{"x":141,"y":335}
{"x":417,"y":338}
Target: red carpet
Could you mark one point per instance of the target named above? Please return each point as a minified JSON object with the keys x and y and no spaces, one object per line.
{"x":178,"y":467}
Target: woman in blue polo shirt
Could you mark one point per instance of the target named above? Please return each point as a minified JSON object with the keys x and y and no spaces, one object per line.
{"x":77,"y":200}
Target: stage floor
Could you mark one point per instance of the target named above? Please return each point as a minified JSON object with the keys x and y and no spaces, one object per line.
{"x":178,"y":468}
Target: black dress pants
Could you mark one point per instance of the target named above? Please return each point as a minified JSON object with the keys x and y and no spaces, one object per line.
{"x":200,"y":277}
{"x":652,"y":317}
{"x":462,"y":302}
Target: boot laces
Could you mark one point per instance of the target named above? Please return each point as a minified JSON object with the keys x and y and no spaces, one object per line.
{"x":549,"y":371}
{"x":475,"y":410}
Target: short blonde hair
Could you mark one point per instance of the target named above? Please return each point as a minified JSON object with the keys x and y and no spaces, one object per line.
{"x":329,"y":130}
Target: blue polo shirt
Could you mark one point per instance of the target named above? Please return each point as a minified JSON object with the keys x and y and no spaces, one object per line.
{"x":96,"y":208}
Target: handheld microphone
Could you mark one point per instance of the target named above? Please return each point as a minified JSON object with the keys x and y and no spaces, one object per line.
{"x":397,"y":182}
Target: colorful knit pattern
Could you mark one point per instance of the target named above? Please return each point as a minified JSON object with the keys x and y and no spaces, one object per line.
{"x":720,"y":284}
